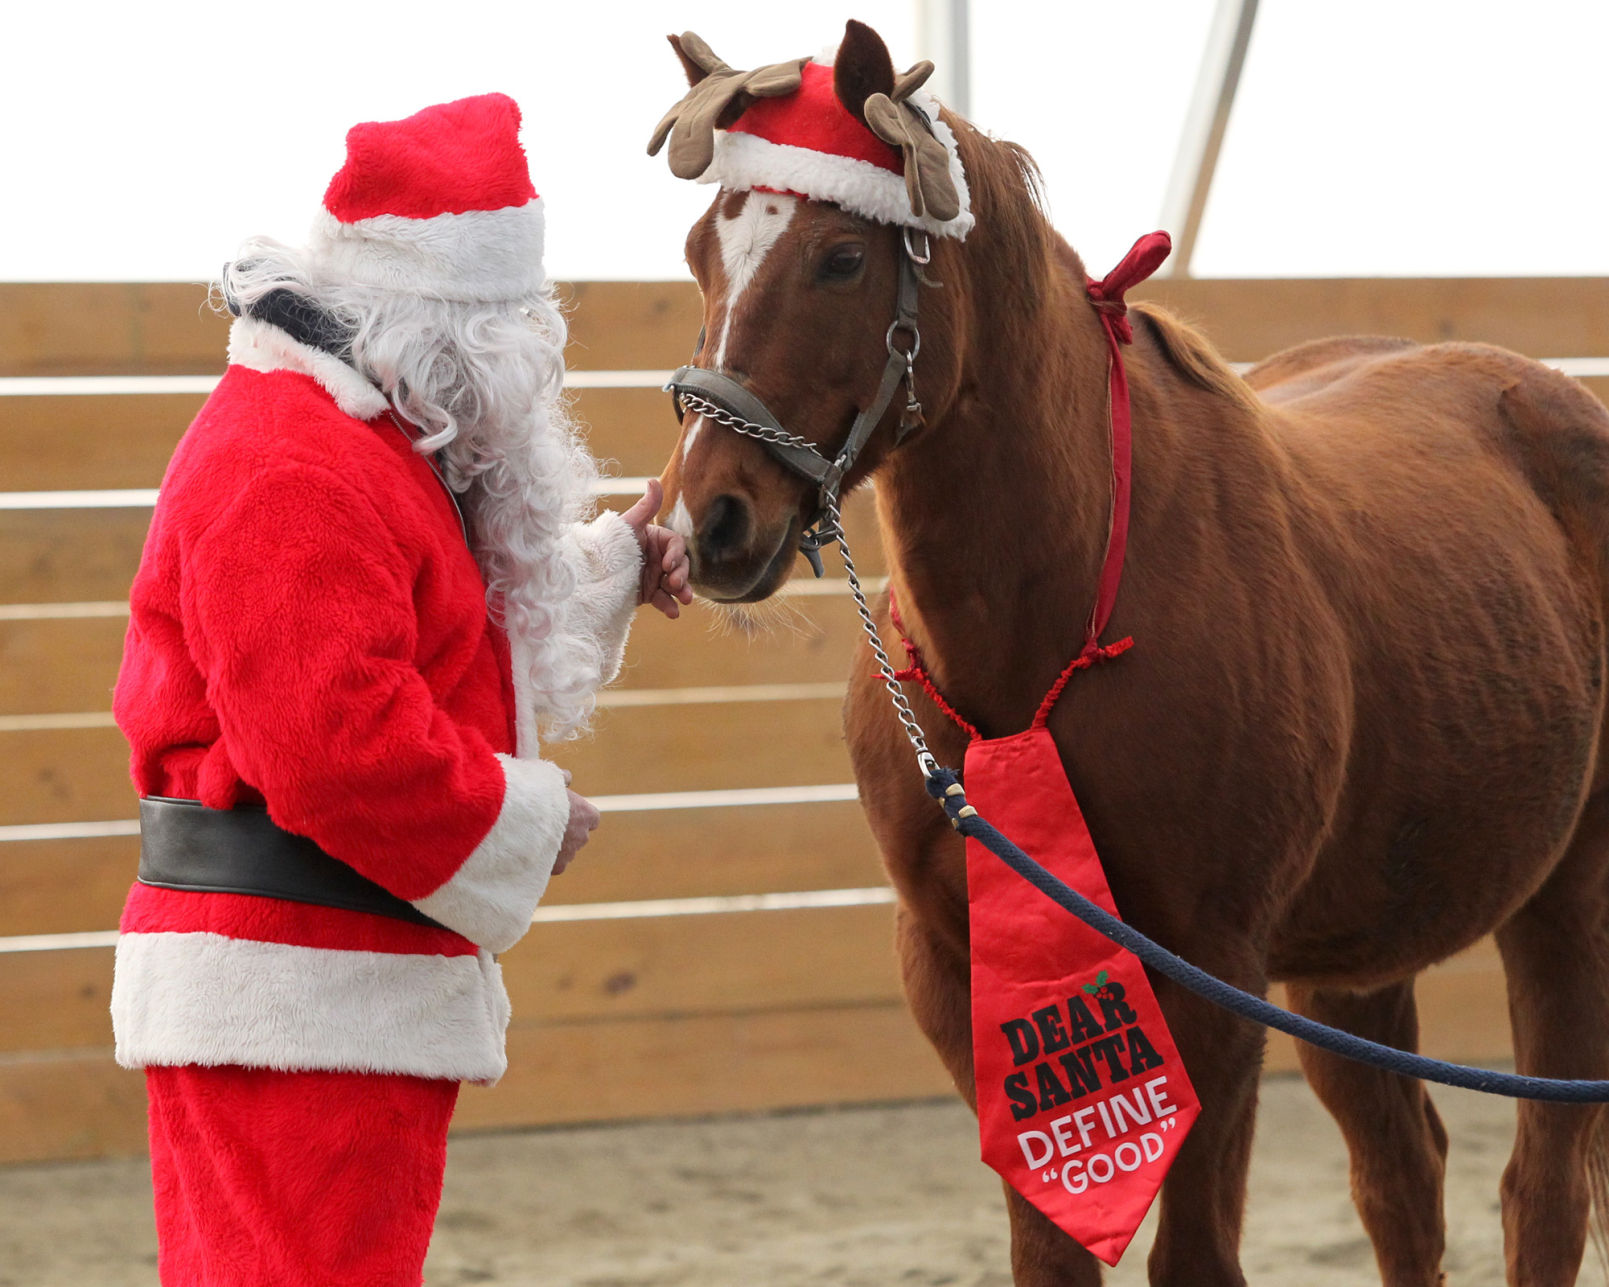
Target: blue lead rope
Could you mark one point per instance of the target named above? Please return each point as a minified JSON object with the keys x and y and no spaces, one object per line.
{"x":970,"y":823}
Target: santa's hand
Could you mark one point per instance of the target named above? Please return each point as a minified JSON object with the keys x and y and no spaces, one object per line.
{"x":665,"y":566}
{"x":583,"y":822}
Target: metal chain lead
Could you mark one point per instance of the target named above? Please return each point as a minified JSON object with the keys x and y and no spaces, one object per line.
{"x":712,"y":411}
{"x":902,"y":708}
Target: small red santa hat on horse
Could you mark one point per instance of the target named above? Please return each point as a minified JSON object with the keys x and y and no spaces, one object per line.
{"x":785,"y":128}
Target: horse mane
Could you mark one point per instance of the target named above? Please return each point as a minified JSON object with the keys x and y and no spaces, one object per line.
{"x":1192,"y":356}
{"x":1008,"y":195}
{"x":1008,"y":198}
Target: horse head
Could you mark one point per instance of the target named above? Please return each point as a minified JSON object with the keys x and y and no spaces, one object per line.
{"x":841,"y":201}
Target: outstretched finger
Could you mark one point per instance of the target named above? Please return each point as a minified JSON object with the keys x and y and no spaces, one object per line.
{"x":642,"y":513}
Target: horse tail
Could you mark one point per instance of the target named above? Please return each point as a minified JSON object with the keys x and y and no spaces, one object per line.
{"x":1561,"y":435}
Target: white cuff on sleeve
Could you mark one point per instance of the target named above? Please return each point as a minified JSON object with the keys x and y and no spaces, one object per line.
{"x":606,"y":596}
{"x":490,"y":898}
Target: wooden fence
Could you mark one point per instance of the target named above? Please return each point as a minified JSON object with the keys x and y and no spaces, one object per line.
{"x":725,"y":942}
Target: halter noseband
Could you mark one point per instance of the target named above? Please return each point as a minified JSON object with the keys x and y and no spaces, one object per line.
{"x":722,"y":399}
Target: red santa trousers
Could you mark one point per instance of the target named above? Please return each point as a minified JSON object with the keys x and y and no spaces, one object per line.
{"x":295,"y":1179}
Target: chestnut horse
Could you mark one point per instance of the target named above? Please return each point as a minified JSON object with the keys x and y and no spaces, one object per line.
{"x":1359,"y":728}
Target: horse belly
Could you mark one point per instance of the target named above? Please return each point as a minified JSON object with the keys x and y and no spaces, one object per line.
{"x":1453,"y":814}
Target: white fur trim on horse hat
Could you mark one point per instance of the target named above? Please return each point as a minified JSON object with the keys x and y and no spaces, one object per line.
{"x":440,"y":203}
{"x":809,"y":144}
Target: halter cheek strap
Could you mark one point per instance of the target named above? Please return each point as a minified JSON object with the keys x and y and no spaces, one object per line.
{"x":1107,"y":295}
{"x":718,"y":397}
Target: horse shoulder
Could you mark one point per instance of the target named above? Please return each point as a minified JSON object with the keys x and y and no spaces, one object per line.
{"x":925,"y":859}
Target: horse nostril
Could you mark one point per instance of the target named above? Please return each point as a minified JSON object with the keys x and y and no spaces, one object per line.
{"x":725,"y":528}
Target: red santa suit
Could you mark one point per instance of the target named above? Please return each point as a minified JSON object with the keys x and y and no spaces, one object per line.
{"x":309,"y":631}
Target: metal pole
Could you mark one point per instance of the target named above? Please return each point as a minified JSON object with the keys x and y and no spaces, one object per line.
{"x":1204,"y":126}
{"x":943,"y":34}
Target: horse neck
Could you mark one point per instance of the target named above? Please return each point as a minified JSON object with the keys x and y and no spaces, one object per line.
{"x":1001,"y":512}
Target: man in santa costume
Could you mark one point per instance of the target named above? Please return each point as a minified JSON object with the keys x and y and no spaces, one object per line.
{"x":367,"y":593}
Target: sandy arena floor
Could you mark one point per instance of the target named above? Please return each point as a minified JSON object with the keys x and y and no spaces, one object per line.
{"x":879,"y":1197}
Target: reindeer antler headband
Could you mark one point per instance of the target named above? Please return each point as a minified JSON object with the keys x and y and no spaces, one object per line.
{"x":866,"y":139}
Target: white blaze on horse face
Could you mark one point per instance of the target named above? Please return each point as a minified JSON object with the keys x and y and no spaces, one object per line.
{"x":746,"y":239}
{"x":690,"y":434}
{"x":680,"y":520}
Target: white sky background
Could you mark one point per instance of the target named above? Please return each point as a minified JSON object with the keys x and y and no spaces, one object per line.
{"x":1437,"y":137}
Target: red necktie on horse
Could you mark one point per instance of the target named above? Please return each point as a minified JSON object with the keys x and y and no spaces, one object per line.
{"x":1083,"y":1100}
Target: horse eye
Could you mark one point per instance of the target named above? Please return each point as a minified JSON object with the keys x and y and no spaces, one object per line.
{"x":842,"y":263}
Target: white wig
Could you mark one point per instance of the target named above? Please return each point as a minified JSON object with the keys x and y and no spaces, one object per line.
{"x":483,"y":383}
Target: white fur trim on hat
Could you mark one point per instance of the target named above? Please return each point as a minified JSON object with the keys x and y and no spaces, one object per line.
{"x":480,"y":256}
{"x":201,"y":998}
{"x":748,"y":161}
{"x":491,"y":897}
{"x":260,"y":346}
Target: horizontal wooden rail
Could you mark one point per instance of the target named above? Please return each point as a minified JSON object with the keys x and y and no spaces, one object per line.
{"x":80,"y":1104}
{"x":576,"y":970}
{"x":73,"y":328}
{"x":77,"y":885}
{"x":77,"y":555}
{"x":1247,"y":320}
{"x":167,"y":328}
{"x":66,"y":774}
{"x":62,"y":442}
{"x":75,"y":1102}
{"x":53,"y":664}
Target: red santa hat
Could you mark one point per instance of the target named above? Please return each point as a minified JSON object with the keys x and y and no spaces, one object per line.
{"x":808,"y":143}
{"x":440,"y":203}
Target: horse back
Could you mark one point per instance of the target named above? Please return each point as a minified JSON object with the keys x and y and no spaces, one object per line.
{"x":1541,"y":423}
{"x":1305,"y":368}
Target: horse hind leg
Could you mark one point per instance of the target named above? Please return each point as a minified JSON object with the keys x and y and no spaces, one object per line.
{"x":1555,"y":953}
{"x":1394,"y":1137}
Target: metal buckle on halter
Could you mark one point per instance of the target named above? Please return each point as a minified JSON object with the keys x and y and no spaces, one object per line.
{"x":911,"y":418}
{"x":903,"y":324}
{"x":820,"y":531}
{"x":820,"y":534}
{"x":832,"y":479}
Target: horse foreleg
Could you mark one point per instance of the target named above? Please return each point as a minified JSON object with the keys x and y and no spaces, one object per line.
{"x":1204,"y":1196}
{"x":1396,"y":1141}
{"x":938,"y":987}
{"x":1556,"y":956}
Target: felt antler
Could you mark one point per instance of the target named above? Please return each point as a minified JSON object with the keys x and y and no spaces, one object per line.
{"x":894,"y":119}
{"x":718,"y":97}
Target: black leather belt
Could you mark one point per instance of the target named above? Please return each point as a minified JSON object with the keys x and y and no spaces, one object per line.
{"x":185,"y":845}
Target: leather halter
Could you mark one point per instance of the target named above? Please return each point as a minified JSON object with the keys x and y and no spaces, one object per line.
{"x":722,"y":399}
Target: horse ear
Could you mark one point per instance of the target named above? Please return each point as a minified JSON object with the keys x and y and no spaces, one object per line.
{"x":862,"y":68}
{"x":694,"y":55}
